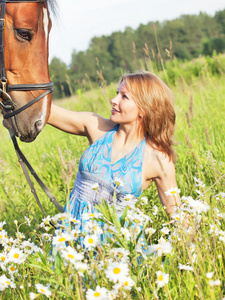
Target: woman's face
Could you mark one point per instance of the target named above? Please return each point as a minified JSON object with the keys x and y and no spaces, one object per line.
{"x":124,"y":109}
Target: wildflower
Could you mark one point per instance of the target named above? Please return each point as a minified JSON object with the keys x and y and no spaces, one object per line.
{"x":192,"y":247}
{"x":32,"y":295}
{"x":155,"y":210}
{"x":196,"y":205}
{"x":209,"y":275}
{"x":2,"y":224}
{"x":75,"y":221}
{"x":71,"y":255}
{"x":120,"y":252}
{"x":117,"y":271}
{"x":199,"y":182}
{"x":6,"y":282}
{"x":28,"y":247}
{"x":62,"y":217}
{"x":126,"y":233}
{"x":184,"y":267}
{"x":43,"y":290}
{"x":112,"y":294}
{"x":150,"y":231}
{"x":12,"y":269}
{"x":90,"y":215}
{"x":90,"y":241}
{"x":94,"y":186}
{"x":46,"y":237}
{"x":27,"y":220}
{"x":99,"y":293}
{"x":165,"y":230}
{"x":144,"y":200}
{"x":118,"y":181}
{"x":75,"y":233}
{"x":172,"y":191}
{"x":214,"y":282}
{"x":127,"y":283}
{"x":213,"y":229}
{"x":61,"y":238}
{"x":45,"y":221}
{"x":163,"y":247}
{"x":81,"y":267}
{"x":3,"y":258}
{"x":16,"y":255}
{"x":162,"y":278}
{"x":3,"y":235}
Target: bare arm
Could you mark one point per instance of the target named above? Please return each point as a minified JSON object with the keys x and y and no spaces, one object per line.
{"x":86,"y":124}
{"x":164,"y":182}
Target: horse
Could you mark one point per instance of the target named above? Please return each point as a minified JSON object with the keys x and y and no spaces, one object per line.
{"x":25,"y":86}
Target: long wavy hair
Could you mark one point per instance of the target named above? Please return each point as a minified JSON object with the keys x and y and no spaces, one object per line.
{"x":156,"y":103}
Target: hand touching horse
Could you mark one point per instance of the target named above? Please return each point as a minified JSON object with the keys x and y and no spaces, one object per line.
{"x":25,"y":87}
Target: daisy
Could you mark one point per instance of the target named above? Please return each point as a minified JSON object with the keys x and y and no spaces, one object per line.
{"x":144,"y":200}
{"x":71,"y":255}
{"x":16,"y":255}
{"x":117,"y":271}
{"x":127,"y":283}
{"x":61,"y":238}
{"x":150,"y":231}
{"x":165,"y":230}
{"x":62,"y":217}
{"x":112,"y":294}
{"x":162,"y":278}
{"x":126,"y":233}
{"x":214,"y":282}
{"x":12,"y":269}
{"x":209,"y":275}
{"x":46,"y":237}
{"x":2,"y":224}
{"x":184,"y":267}
{"x":155,"y":210}
{"x":5,"y":282}
{"x":118,"y":181}
{"x":172,"y":191}
{"x":90,"y":241}
{"x":90,"y":215}
{"x":75,"y":233}
{"x":3,"y":258}
{"x":43,"y":290}
{"x":32,"y":296}
{"x":81,"y":267}
{"x":75,"y":221}
{"x":94,"y":186}
{"x":99,"y":293}
{"x":28,"y":247}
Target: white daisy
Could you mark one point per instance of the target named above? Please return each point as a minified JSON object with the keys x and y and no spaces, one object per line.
{"x":5,"y":283}
{"x":117,"y":271}
{"x":150,"y":231}
{"x":118,"y":181}
{"x":155,"y":210}
{"x":184,"y":267}
{"x":61,"y":238}
{"x":43,"y":290}
{"x":172,"y":191}
{"x":162,"y":278}
{"x":214,"y":282}
{"x":94,"y":186}
{"x":209,"y":275}
{"x":144,"y":200}
{"x":71,"y":255}
{"x":17,"y":256}
{"x":126,"y":233}
{"x":165,"y":230}
{"x":127,"y":283}
{"x":100,"y":293}
{"x":90,"y":241}
{"x":32,"y":295}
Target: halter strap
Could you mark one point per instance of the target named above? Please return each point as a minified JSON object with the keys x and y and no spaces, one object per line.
{"x":5,"y":88}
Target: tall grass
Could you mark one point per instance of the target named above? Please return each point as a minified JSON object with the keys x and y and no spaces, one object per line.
{"x":200,"y":138}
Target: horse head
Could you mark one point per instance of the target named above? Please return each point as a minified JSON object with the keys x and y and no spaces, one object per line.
{"x":26,"y":88}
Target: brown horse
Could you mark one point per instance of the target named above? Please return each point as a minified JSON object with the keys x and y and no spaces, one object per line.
{"x":26,"y":90}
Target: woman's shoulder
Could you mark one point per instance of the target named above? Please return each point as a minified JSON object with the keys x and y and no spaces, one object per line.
{"x":157,"y":163}
{"x":98,"y":126}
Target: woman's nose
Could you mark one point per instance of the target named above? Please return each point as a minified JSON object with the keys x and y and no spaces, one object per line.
{"x":114,"y":100}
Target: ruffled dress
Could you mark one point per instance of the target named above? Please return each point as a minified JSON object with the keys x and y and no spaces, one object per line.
{"x":95,"y":167}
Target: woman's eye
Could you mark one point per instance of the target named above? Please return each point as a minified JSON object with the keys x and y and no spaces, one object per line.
{"x":125,"y":96}
{"x":24,"y":34}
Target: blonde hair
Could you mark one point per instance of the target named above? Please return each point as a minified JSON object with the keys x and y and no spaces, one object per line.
{"x":156,"y":103}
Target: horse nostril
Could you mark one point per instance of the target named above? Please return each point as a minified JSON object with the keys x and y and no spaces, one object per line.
{"x":38,"y":126}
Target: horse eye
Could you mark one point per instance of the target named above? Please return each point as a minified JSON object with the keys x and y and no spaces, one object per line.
{"x":24,"y":34}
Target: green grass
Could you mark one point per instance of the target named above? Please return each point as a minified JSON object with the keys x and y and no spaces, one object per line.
{"x":200,"y":138}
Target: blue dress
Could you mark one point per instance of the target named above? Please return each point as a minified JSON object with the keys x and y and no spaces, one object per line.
{"x":95,"y":167}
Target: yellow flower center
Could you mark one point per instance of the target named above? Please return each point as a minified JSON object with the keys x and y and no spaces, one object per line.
{"x":97,"y":294}
{"x":12,"y":268}
{"x":75,"y":234}
{"x":2,"y":258}
{"x":126,"y":283}
{"x":160,"y":278}
{"x":90,"y":241}
{"x":0,"y":236}
{"x":43,"y":291}
{"x":91,"y":215}
{"x":173,"y":192}
{"x":116,"y":271}
{"x":16,"y":255}
{"x":7,"y":282}
{"x":70,"y":256}
{"x":62,"y":239}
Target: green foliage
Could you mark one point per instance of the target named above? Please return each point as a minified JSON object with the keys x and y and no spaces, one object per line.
{"x":108,"y":57}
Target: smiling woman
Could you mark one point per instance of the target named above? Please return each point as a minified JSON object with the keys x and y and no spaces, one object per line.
{"x":127,"y":151}
{"x":25,"y":83}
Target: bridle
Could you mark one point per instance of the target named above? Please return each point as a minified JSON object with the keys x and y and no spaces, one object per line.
{"x":8,"y":107}
{"x":5,"y":88}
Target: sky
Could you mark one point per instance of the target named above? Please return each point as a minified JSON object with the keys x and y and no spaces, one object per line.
{"x":78,"y":21}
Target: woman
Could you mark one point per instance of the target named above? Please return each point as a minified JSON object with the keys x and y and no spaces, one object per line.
{"x":127,"y":151}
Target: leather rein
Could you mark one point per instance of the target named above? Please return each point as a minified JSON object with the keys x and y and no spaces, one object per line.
{"x":9,"y":112}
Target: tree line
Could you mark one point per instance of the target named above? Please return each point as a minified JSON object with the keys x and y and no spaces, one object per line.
{"x":108,"y":57}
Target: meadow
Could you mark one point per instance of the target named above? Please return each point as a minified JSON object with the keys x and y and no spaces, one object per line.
{"x":146,"y":255}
